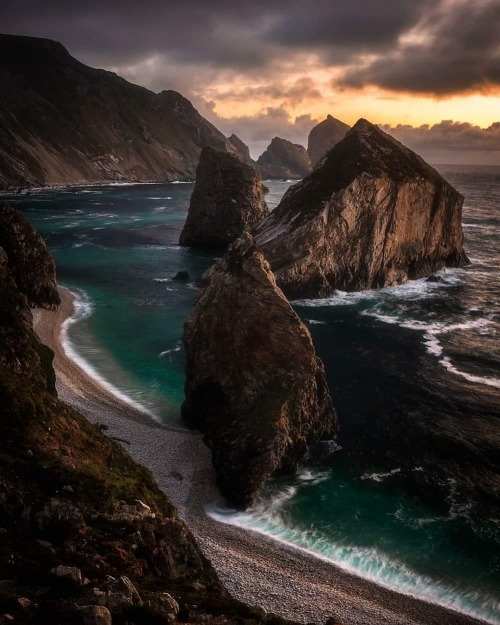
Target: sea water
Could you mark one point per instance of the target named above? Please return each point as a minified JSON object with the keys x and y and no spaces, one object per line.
{"x":413,"y":370}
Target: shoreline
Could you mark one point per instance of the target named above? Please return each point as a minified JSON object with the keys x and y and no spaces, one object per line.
{"x":257,"y":570}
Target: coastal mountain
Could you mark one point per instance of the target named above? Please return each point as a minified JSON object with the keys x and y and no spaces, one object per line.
{"x":284,"y":160}
{"x":254,"y":386}
{"x":62,"y":122}
{"x":86,"y":535}
{"x":227,"y":200}
{"x":324,"y":136}
{"x":372,"y":214}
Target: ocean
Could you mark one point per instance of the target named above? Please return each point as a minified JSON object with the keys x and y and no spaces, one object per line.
{"x":409,"y":494}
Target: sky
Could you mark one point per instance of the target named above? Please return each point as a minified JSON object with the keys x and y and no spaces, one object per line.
{"x":428,"y":71}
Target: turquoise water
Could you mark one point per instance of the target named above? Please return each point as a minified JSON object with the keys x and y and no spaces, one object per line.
{"x":414,"y":371}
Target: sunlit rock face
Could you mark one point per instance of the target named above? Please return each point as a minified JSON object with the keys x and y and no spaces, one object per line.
{"x":228,"y":199}
{"x":254,"y":386}
{"x":372,"y":214}
{"x":324,"y":137}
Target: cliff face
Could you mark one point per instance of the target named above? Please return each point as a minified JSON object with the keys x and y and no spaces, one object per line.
{"x":227,"y":200}
{"x":30,"y":264}
{"x":241,"y":149}
{"x":373,"y":214}
{"x":86,"y":535}
{"x":284,"y":160}
{"x":324,"y":136}
{"x":63,"y":122}
{"x":254,"y":384}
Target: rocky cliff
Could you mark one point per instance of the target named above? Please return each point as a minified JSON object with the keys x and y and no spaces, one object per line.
{"x":29,"y":263}
{"x":324,"y":136}
{"x":373,"y":214}
{"x":241,"y":148}
{"x":283,"y":160}
{"x":86,"y":536}
{"x":63,"y":122}
{"x":227,"y":200}
{"x":254,"y":384}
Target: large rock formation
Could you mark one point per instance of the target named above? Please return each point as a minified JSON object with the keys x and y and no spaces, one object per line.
{"x":254,"y":384}
{"x":29,"y":262}
{"x":324,"y":136}
{"x":62,"y":122}
{"x":241,"y":149}
{"x":227,"y":200}
{"x":283,"y":160}
{"x":373,"y":214}
{"x":86,"y":534}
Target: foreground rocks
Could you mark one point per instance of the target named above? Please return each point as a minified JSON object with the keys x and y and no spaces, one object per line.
{"x":283,"y":160}
{"x":86,"y":535}
{"x":324,"y":137}
{"x":372,"y":215}
{"x":254,"y":384}
{"x":29,"y":263}
{"x":227,"y":200}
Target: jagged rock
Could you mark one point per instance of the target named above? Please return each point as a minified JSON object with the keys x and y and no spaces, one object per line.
{"x":228,"y":199}
{"x":182,"y":276}
{"x":120,"y":594}
{"x":284,"y":160}
{"x":324,"y":136}
{"x":372,"y":215}
{"x":71,"y":572}
{"x":241,"y":149}
{"x":95,"y":615}
{"x":62,"y":122}
{"x":28,"y":260}
{"x":254,"y":384}
{"x":60,"y":519}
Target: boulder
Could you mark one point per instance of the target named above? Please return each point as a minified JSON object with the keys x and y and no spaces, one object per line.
{"x":182,"y":276}
{"x":284,"y":160}
{"x":69,"y":572}
{"x":255,"y":386}
{"x":373,"y":214}
{"x":95,"y":615}
{"x":324,"y":137}
{"x":228,"y":199}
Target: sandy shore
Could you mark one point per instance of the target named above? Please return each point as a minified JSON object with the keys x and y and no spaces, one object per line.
{"x":256,"y":570}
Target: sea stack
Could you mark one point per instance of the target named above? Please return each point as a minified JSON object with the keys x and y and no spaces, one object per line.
{"x":324,"y":137}
{"x":28,"y":260}
{"x":255,"y":386}
{"x":228,"y":199}
{"x":241,"y":149}
{"x":372,"y":214}
{"x":284,"y":160}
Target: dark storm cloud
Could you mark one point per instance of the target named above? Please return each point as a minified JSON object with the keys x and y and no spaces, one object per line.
{"x":457,"y":50}
{"x":221,"y":33}
{"x":437,"y":47}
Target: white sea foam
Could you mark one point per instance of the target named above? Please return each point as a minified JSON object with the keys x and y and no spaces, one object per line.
{"x":366,"y":562}
{"x":379,"y":477}
{"x":162,"y":279}
{"x":316,"y":322}
{"x":169,"y":351}
{"x":83,"y":308}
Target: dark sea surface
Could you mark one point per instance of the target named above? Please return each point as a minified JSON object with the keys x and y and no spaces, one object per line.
{"x":409,"y":494}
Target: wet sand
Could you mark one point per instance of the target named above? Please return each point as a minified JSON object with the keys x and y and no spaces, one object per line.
{"x":285,"y":580}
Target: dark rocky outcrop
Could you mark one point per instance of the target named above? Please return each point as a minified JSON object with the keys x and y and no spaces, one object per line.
{"x":241,"y":149}
{"x":324,"y":136}
{"x":29,"y":262}
{"x":373,"y":214}
{"x":62,"y":122}
{"x":86,"y":536}
{"x":254,"y":384}
{"x":227,"y":200}
{"x":283,"y":160}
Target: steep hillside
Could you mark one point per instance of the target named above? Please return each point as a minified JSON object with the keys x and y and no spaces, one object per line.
{"x":64,"y":122}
